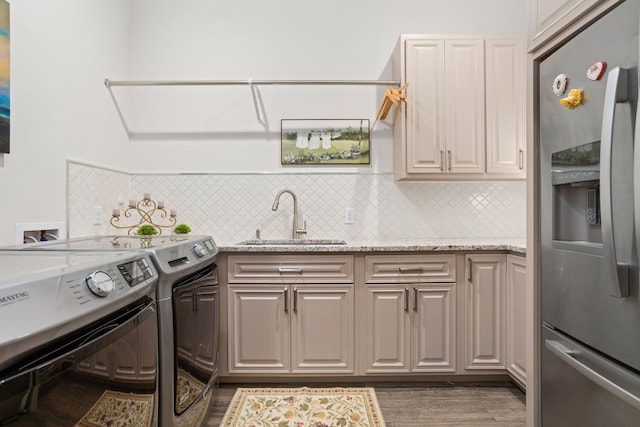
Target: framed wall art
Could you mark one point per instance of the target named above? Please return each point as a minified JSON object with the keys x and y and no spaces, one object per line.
{"x":324,"y":142}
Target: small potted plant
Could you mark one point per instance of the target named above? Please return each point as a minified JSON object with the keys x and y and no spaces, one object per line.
{"x":146,"y":230}
{"x":182,"y":229}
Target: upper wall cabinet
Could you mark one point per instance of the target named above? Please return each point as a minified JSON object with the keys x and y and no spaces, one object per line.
{"x":547,"y":18}
{"x":465,"y":115}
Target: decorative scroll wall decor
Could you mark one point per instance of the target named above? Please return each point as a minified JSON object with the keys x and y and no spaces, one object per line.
{"x":144,"y":212}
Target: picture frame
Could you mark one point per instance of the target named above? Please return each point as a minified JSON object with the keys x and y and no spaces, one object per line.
{"x":325,"y":142}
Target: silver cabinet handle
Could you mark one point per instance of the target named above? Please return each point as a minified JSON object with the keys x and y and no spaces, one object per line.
{"x":415,"y":299}
{"x":521,"y":159}
{"x":295,"y":300}
{"x":566,"y":355}
{"x":449,"y":159}
{"x":407,"y":270}
{"x":289,"y":269}
{"x":616,"y":91}
{"x":406,"y":299}
{"x":442,"y":160}
{"x":286,"y":300}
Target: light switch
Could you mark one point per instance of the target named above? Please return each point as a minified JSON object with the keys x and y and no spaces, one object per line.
{"x":349,"y":215}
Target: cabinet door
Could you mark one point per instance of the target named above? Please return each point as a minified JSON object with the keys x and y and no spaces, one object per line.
{"x":465,"y":110}
{"x":388,"y":328}
{"x":505,"y":106}
{"x":323,"y":337}
{"x":259,"y":332}
{"x":516,"y":326}
{"x":425,"y":72}
{"x":433,"y":326}
{"x":485,"y":312}
{"x":548,"y":17}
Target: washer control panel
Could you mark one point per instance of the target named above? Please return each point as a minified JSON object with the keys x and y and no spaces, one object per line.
{"x":199,"y":250}
{"x":100,"y":283}
{"x":136,"y":272}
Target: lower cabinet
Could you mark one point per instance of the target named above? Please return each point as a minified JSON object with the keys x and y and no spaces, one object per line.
{"x":291,"y":328}
{"x":409,"y":313}
{"x":516,"y":318}
{"x":410,"y":328}
{"x":485,"y":311}
{"x":417,"y":313}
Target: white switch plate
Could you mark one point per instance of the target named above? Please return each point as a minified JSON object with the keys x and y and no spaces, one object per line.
{"x":97,"y":215}
{"x":349,"y":215}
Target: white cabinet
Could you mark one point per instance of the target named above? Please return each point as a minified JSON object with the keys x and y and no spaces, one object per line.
{"x":410,"y":314}
{"x":516,"y":319}
{"x":547,"y":18}
{"x":465,"y":115}
{"x":282,"y":318}
{"x":505,"y":107}
{"x":485,"y":311}
{"x":322,"y":329}
{"x":259,"y":329}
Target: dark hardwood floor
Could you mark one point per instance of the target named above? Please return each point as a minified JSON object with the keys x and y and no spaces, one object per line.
{"x":455,"y":405}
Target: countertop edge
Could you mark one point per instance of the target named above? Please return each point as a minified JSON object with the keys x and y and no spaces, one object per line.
{"x":517,"y":247}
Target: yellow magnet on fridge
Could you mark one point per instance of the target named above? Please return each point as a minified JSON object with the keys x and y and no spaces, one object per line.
{"x":574,"y":99}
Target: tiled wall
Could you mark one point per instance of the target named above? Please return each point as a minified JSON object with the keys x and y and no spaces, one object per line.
{"x":231,"y":207}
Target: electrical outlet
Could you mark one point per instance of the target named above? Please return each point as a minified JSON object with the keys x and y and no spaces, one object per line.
{"x":349,"y":215}
{"x":97,"y":215}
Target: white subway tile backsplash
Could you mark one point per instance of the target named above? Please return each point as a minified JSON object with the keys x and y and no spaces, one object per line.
{"x":230,"y":207}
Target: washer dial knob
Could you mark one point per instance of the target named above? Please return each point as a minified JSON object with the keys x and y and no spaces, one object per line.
{"x":199,"y":250}
{"x":100,"y":283}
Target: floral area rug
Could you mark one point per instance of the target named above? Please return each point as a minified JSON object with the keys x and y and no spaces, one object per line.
{"x":116,"y":409}
{"x":303,"y":407}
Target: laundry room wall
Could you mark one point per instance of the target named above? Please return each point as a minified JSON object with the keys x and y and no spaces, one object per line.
{"x":213,"y":128}
{"x":62,"y":51}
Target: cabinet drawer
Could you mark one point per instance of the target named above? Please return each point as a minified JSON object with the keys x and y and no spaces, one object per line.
{"x":290,"y":269}
{"x":410,"y":268}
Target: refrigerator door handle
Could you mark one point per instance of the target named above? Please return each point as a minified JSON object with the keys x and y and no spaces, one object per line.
{"x":616,"y":91}
{"x":566,"y":355}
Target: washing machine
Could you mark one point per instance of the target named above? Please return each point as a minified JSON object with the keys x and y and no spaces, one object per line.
{"x":79,"y":336}
{"x":187,"y":298}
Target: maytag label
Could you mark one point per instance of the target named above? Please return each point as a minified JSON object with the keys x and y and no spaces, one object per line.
{"x":13,"y":298}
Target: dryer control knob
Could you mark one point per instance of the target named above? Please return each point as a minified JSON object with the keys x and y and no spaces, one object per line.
{"x":199,"y":250}
{"x":100,"y":283}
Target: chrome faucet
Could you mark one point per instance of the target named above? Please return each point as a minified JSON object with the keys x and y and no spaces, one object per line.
{"x":295,"y":231}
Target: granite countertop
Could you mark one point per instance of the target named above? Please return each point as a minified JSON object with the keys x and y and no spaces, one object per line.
{"x":409,"y":245}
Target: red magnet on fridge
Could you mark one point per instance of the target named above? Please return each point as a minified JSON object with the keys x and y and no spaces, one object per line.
{"x":596,"y":71}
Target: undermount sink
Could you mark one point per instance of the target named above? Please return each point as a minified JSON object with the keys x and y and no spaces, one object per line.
{"x":297,"y":242}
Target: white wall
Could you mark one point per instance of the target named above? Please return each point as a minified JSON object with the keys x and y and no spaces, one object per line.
{"x":215,"y":128}
{"x":62,"y":51}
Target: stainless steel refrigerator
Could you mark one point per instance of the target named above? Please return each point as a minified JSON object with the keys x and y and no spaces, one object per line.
{"x":590,"y":225}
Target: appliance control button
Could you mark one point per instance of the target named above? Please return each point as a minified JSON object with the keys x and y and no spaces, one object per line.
{"x":100,"y":283}
{"x":199,"y":250}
